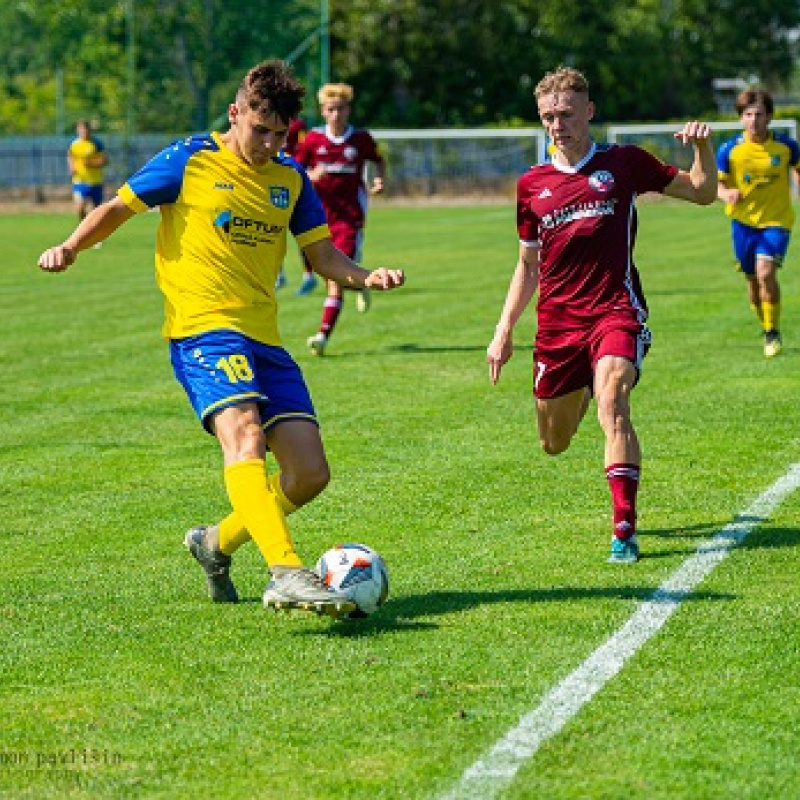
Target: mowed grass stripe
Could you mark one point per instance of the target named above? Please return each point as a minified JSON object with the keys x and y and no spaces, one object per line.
{"x":488,"y":776}
{"x":497,"y":553}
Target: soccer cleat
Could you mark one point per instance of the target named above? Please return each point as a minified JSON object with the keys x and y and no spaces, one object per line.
{"x":363,"y":301}
{"x":772,"y":344}
{"x":280,"y":281}
{"x":301,"y":588}
{"x":317,"y":343}
{"x":624,"y":551}
{"x":309,"y":283}
{"x":216,"y":565}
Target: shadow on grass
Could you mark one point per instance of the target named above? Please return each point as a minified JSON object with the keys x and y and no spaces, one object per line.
{"x":766,"y":537}
{"x":698,"y":531}
{"x":400,"y":613}
{"x":412,"y":348}
{"x":761,"y":536}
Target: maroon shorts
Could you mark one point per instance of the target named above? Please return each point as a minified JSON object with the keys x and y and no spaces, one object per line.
{"x":347,"y":239}
{"x":564,"y":361}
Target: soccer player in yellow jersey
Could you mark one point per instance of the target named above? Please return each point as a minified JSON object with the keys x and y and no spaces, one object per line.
{"x":86,"y":158}
{"x":226,"y":203}
{"x":754,"y":183}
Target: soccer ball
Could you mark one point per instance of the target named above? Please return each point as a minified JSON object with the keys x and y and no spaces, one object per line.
{"x":360,"y":572}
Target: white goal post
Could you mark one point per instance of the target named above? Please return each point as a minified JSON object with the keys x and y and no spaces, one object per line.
{"x":621,"y":134}
{"x":658,"y":138}
{"x":460,"y":161}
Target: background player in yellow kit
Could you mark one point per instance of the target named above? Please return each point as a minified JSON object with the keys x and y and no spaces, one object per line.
{"x":87,"y":158}
{"x":754,"y":169}
{"x":226,"y":203}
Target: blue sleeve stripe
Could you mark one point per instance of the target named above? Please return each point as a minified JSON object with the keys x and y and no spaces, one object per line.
{"x":161,"y":179}
{"x":724,"y":154}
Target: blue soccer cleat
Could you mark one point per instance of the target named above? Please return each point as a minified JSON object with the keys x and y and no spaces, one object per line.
{"x":309,"y":283}
{"x":624,"y":551}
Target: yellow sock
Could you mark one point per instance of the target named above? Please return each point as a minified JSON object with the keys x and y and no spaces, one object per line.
{"x":257,"y":506}
{"x":232,"y":531}
{"x":287,"y":506}
{"x":232,"y":534}
{"x":772,"y":316}
{"x":758,"y":312}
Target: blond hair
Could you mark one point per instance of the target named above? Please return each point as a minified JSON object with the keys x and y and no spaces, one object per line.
{"x":562,"y":79}
{"x":333,"y":92}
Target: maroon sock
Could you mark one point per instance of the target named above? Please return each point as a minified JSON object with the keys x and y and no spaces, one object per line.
{"x":623,"y":481}
{"x":330,"y":313}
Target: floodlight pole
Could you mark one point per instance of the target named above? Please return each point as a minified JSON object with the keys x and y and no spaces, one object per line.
{"x":60,"y":127}
{"x":130,"y":17}
{"x":324,"y":43}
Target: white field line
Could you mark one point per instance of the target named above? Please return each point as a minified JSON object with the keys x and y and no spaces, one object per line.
{"x":497,"y":768}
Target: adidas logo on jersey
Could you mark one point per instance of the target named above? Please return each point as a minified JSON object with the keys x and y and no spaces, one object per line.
{"x":545,"y":193}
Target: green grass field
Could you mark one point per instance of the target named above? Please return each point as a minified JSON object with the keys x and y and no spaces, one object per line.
{"x":121,"y":680}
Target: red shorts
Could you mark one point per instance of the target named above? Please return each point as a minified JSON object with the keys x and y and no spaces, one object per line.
{"x":347,"y":239}
{"x":564,"y":361}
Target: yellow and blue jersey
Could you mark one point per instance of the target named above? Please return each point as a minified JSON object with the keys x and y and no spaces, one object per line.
{"x":81,"y":150}
{"x":761,"y":172}
{"x":222,"y":236}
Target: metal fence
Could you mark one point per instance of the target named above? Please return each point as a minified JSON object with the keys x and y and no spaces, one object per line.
{"x":35,"y":167}
{"x":421,"y":163}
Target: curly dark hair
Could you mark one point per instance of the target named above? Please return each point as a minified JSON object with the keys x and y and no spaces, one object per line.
{"x":271,"y":88}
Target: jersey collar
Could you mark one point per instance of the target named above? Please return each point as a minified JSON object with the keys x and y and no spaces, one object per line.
{"x":575,"y":167}
{"x":338,"y":139}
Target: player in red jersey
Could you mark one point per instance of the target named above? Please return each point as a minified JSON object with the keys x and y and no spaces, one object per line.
{"x":295,"y":134}
{"x":335,"y":156}
{"x":576,"y":220}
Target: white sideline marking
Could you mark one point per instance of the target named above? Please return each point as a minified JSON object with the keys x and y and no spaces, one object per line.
{"x":497,"y":768}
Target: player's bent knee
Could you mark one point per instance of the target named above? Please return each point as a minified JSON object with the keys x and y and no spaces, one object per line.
{"x":555,"y":446}
{"x":306,"y":485}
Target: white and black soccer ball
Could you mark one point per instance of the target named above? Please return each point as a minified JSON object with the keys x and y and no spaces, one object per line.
{"x":360,"y":572}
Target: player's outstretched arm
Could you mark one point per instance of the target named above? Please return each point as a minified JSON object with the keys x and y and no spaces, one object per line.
{"x":524,"y":283}
{"x":330,"y":262}
{"x":699,"y":184}
{"x":98,"y":225}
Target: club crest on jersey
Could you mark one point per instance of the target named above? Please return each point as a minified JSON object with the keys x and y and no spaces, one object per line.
{"x":601,"y":181}
{"x":222,"y":221}
{"x":279,"y":196}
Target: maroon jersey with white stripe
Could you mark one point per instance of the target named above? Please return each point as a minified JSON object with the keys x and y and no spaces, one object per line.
{"x":342,"y":189}
{"x":584,"y":220}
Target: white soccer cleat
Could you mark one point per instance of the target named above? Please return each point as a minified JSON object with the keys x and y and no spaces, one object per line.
{"x":363,"y":301}
{"x":303,"y":589}
{"x":772,"y":344}
{"x":317,"y":343}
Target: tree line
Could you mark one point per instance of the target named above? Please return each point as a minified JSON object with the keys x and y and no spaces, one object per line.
{"x":174,"y":65}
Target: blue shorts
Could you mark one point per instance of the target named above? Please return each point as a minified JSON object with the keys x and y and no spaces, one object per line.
{"x":222,"y":368}
{"x":83,"y":191}
{"x":749,"y":243}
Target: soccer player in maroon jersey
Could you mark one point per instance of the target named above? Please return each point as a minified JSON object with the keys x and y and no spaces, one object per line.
{"x":335,"y":156}
{"x":576,"y":221}
{"x":296,"y":133}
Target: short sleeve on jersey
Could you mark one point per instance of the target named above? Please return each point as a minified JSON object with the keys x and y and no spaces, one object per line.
{"x":160,"y":179}
{"x":308,"y":215}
